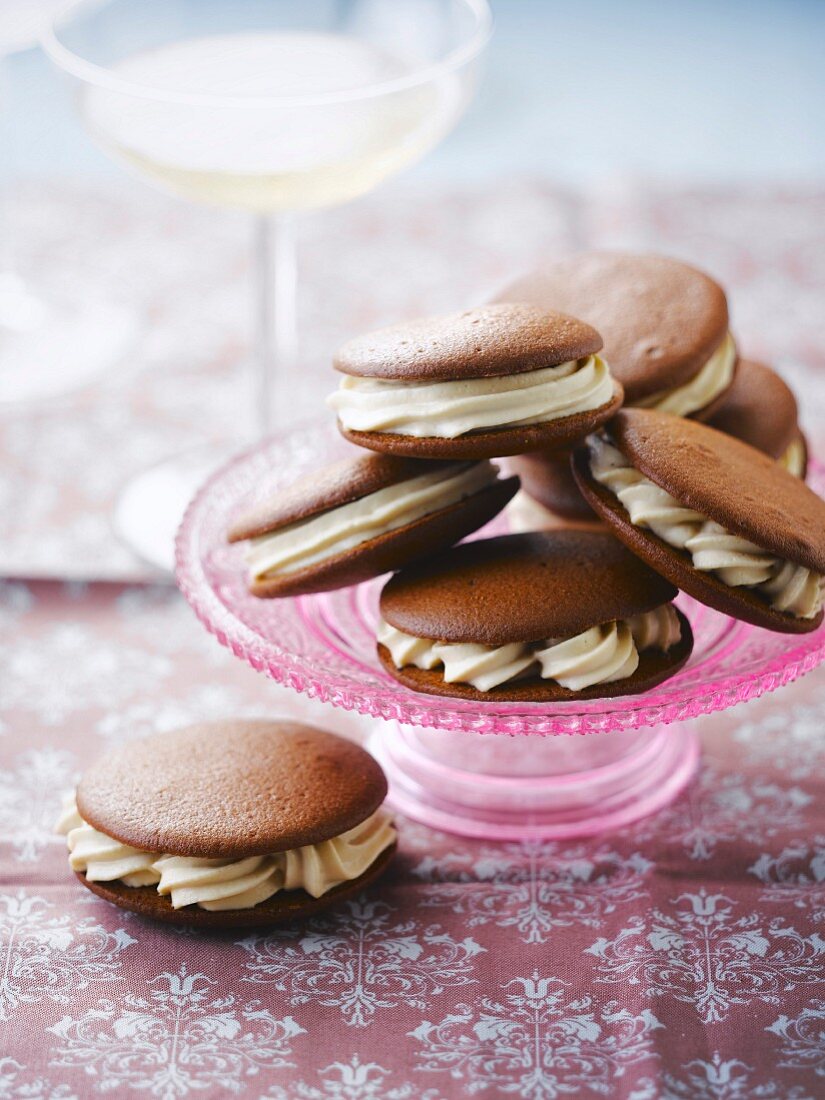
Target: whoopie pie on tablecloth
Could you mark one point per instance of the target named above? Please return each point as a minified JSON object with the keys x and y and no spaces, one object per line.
{"x":230,"y":824}
{"x":663,"y":322}
{"x":367,"y":515}
{"x":488,"y":382}
{"x":540,"y":617}
{"x":718,"y":518}
{"x":760,"y":409}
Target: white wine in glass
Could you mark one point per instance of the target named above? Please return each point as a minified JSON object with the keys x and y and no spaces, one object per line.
{"x":270,"y":106}
{"x":265,"y":158}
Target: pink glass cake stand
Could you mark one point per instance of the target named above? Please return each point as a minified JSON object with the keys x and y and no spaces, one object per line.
{"x":499,"y":770}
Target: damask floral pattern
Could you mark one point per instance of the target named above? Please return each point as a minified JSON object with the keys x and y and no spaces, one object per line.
{"x":16,"y":1083}
{"x":717,"y":1079}
{"x":47,"y":955}
{"x":201,"y":704}
{"x":182,"y":1036}
{"x":710,"y":812}
{"x":803,"y":1039}
{"x":536,"y":1042}
{"x":65,"y":667}
{"x":796,"y":876}
{"x":352,"y":1080}
{"x":362,"y":961}
{"x":535,"y":888}
{"x":789,"y":742}
{"x":29,"y":792}
{"x":703,"y":953}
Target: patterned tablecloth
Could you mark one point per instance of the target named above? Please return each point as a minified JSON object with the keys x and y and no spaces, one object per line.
{"x":680,"y":958}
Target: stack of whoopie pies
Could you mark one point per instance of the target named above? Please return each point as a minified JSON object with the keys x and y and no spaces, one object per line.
{"x":244,"y":824}
{"x":696,"y":483}
{"x":667,"y":339}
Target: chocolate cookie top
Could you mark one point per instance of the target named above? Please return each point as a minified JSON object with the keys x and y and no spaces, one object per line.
{"x":758,"y":408}
{"x":726,"y":480}
{"x":226,"y":790}
{"x":522,"y":588}
{"x":328,"y":488}
{"x":492,"y":341}
{"x":660,"y":319}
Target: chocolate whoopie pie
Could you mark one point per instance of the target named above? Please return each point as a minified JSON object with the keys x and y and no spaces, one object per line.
{"x":715,"y":516}
{"x":664,"y":323}
{"x":365,"y":516}
{"x":230,"y":824}
{"x":539,"y":617}
{"x":760,"y":409}
{"x":488,"y":382}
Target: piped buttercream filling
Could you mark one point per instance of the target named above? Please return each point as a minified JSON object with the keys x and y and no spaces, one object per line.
{"x":705,"y":386}
{"x":599,"y":655}
{"x":450,"y":409}
{"x":793,"y":458}
{"x":216,"y":884}
{"x":788,"y":587}
{"x":334,"y":532}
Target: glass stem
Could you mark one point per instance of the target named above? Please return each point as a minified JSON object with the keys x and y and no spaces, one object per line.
{"x":276,"y":339}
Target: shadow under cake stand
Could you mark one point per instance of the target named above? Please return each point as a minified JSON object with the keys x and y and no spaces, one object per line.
{"x":498,"y":770}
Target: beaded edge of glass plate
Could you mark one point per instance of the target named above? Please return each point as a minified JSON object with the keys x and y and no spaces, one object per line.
{"x":250,"y":476}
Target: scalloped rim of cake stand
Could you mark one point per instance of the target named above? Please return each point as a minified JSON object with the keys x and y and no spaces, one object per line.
{"x":396,"y":703}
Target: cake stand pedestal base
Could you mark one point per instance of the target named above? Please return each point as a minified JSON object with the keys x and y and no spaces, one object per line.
{"x":503,"y":787}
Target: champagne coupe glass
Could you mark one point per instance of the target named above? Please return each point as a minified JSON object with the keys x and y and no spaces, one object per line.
{"x":270,"y":106}
{"x":58,"y":337}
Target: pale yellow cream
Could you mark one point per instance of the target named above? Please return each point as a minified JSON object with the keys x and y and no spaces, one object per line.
{"x":735,"y":561}
{"x":793,"y":458}
{"x":450,"y":409}
{"x":216,"y":884}
{"x":705,"y":386}
{"x":599,"y":655}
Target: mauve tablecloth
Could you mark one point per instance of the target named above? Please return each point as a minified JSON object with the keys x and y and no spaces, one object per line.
{"x":681,"y":958}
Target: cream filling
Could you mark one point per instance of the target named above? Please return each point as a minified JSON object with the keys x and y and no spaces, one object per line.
{"x":794,"y":457}
{"x":226,"y":883}
{"x":714,"y":378}
{"x":599,"y":655}
{"x":312,"y":540}
{"x":734,"y":560}
{"x":450,"y":409}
